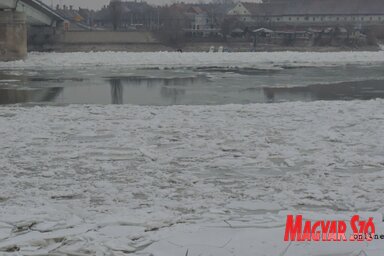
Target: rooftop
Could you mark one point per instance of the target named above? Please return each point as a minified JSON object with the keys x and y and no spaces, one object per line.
{"x":317,"y":7}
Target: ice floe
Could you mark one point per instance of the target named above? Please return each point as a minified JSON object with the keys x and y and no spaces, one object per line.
{"x":164,"y":60}
{"x":186,"y":180}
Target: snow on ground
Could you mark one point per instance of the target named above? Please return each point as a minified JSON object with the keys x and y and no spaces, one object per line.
{"x":173,"y":59}
{"x":186,"y":180}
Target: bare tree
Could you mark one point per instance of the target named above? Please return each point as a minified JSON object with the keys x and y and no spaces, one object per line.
{"x":116,"y":13}
{"x":172,"y":25}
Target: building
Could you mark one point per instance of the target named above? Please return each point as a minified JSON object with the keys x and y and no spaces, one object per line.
{"x":357,"y":13}
{"x":202,"y":22}
{"x":247,"y":12}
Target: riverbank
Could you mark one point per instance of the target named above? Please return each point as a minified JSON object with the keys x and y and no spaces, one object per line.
{"x":190,"y":47}
{"x":135,"y":41}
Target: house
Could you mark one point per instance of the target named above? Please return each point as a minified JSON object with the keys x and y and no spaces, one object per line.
{"x":357,"y":13}
{"x":196,"y":20}
{"x":102,"y":17}
{"x":202,"y":22}
{"x":247,"y":12}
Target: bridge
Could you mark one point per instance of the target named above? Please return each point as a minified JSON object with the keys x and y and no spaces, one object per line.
{"x":37,"y":13}
{"x":14,"y":17}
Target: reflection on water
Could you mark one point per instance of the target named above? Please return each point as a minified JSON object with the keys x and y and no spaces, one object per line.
{"x":362,"y":90}
{"x":116,"y":91}
{"x":159,"y":81}
{"x":172,"y":93}
{"x":195,"y":86}
{"x":170,"y":89}
{"x":13,"y":96}
{"x":241,"y":70}
{"x":55,"y":80}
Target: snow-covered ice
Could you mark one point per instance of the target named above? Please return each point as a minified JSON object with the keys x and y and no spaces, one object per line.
{"x":186,"y":180}
{"x":177,"y":60}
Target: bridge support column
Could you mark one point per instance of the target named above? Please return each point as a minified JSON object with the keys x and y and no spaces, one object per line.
{"x":13,"y":35}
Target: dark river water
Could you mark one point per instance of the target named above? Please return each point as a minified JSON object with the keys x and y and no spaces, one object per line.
{"x":191,"y":86}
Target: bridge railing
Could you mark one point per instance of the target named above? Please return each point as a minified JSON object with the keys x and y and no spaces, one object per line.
{"x":41,"y":6}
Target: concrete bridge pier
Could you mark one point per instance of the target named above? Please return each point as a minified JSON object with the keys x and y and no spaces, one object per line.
{"x":13,"y":35}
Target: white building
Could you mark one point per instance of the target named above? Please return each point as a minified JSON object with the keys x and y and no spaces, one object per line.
{"x":202,"y":23}
{"x":312,"y":12}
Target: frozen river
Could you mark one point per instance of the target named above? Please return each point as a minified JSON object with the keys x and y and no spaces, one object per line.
{"x":228,"y":80}
{"x":194,"y":157}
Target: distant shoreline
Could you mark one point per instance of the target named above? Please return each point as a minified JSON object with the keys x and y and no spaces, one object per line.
{"x":136,"y":41}
{"x":193,"y":47}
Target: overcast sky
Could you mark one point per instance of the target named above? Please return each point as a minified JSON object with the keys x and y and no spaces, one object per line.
{"x":97,"y":4}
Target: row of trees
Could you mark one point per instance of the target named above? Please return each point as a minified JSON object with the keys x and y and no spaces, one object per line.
{"x":168,"y":22}
{"x":121,"y":12}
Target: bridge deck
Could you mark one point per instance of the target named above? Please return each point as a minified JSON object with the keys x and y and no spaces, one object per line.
{"x":36,"y":11}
